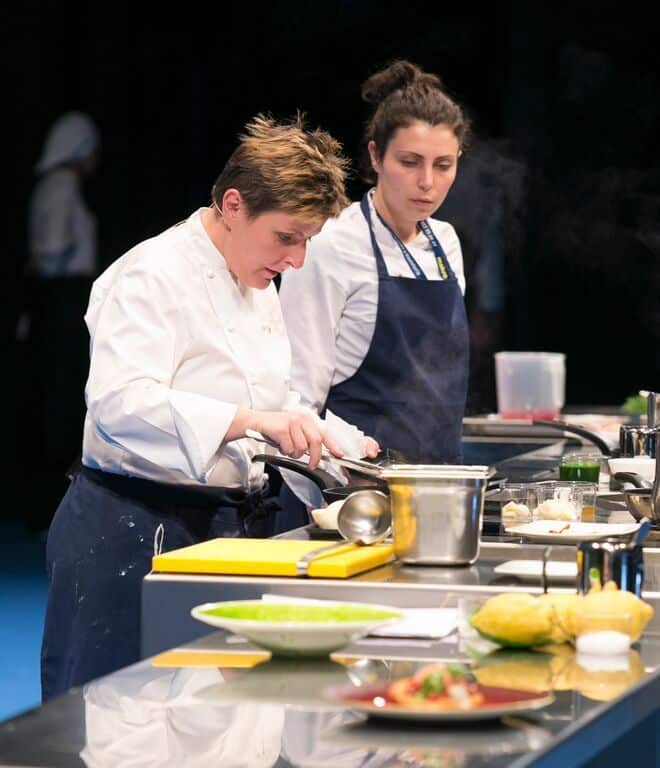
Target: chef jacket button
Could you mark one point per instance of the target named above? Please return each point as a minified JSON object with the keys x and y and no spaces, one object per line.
{"x":210,"y":275}
{"x":265,"y":328}
{"x":230,"y":329}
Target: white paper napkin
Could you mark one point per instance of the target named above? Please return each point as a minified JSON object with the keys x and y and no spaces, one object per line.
{"x":429,"y":623}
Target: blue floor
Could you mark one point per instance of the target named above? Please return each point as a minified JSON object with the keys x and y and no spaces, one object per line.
{"x":23,"y":587}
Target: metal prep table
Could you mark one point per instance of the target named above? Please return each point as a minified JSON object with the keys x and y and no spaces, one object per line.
{"x":196,"y":706}
{"x":161,"y":712}
{"x":168,"y":598}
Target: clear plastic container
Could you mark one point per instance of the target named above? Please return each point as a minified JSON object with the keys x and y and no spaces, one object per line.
{"x":569,"y":501}
{"x":518,"y":500}
{"x":530,"y":385}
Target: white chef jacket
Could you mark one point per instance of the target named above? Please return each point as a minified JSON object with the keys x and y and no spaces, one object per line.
{"x":62,"y":230}
{"x":146,"y":717}
{"x":177,"y":346}
{"x":330,"y":304}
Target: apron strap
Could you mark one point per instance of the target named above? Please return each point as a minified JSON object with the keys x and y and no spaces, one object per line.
{"x":444,"y":268}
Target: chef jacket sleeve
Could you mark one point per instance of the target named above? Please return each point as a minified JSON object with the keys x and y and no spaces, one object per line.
{"x":313,"y":299}
{"x":136,"y":343}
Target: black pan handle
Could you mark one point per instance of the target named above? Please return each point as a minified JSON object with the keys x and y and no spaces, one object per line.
{"x":562,"y":426}
{"x":322,"y":478}
{"x":632,"y":477}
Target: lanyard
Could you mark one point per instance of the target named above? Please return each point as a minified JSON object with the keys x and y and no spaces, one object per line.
{"x":410,"y":259}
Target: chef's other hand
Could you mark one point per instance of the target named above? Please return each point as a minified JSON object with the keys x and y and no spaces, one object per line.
{"x":371,"y":447}
{"x":296,"y":433}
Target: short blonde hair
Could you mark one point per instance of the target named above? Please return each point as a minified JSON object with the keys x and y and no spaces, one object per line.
{"x":285,"y":167}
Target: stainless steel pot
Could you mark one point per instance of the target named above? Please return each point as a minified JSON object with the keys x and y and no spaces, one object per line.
{"x":437,"y":512}
{"x":643,"y":502}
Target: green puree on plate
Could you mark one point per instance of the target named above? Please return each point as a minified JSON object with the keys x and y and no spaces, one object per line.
{"x":304,"y":613}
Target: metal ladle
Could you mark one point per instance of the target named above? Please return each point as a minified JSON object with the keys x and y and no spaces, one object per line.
{"x":364,"y":518}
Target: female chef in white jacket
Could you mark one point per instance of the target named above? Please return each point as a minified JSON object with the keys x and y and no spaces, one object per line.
{"x":376,"y":317}
{"x":188,"y":350}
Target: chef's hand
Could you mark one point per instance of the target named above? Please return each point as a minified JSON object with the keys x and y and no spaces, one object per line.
{"x":371,"y":447}
{"x":295,"y":432}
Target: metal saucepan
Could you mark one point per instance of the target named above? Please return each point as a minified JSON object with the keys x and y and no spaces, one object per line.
{"x":642,"y":500}
{"x":640,"y":503}
{"x":357,"y":480}
{"x":326,"y":482}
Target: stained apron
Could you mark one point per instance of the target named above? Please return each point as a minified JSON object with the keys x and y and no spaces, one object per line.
{"x":99,"y":549}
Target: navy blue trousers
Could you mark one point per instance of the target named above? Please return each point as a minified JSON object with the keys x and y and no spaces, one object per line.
{"x":99,"y":549}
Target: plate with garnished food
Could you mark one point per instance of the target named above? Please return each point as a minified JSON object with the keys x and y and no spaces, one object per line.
{"x":441,"y":691}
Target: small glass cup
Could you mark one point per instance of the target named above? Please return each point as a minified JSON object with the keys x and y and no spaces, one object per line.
{"x":603,"y":634}
{"x":580,"y":467}
{"x":568,"y":501}
{"x":517,"y":502}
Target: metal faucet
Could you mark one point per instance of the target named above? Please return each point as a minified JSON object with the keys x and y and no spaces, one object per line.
{"x":652,"y":408}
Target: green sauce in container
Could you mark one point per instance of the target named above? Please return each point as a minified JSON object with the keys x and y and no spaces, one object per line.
{"x":580,"y":470}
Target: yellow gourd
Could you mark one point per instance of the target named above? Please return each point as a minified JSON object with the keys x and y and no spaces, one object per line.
{"x":514,"y":620}
{"x":610,"y":600}
{"x":519,"y":620}
{"x":563,"y":611}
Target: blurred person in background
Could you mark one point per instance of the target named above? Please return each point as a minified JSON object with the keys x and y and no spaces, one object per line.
{"x":62,"y":261}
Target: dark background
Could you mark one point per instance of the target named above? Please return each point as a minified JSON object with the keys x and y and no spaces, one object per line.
{"x":570,"y":97}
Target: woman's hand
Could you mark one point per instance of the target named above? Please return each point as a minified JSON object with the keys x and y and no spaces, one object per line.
{"x":371,"y":447}
{"x":295,"y":432}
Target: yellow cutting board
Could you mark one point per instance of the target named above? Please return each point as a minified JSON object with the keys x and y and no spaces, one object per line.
{"x":271,"y":557}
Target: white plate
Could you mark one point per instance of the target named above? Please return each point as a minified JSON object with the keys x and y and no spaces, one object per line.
{"x":398,"y":712}
{"x":571,"y":532}
{"x":530,"y":570}
{"x":296,"y":638}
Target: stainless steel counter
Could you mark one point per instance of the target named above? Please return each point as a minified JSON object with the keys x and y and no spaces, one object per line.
{"x":395,"y":584}
{"x":196,"y":705}
{"x":168,"y":598}
{"x":204,"y":705}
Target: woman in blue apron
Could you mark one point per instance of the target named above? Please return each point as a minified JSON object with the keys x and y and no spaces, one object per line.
{"x":376,"y":317}
{"x":188,"y":351}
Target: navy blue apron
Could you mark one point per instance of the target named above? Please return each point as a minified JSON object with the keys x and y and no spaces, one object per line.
{"x":99,"y":549}
{"x":409,"y":393}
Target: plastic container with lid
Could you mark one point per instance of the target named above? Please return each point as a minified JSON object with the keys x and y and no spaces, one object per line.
{"x":530,"y":385}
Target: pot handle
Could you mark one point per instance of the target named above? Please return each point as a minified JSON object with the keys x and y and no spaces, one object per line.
{"x":562,"y":426}
{"x":632,"y":477}
{"x":322,"y":478}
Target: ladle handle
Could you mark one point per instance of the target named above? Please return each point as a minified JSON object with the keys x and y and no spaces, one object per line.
{"x":303,"y":564}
